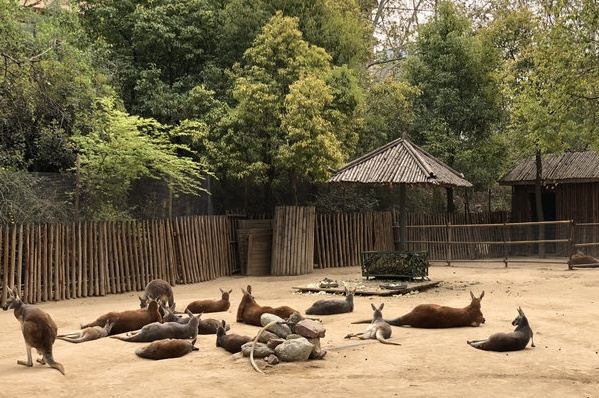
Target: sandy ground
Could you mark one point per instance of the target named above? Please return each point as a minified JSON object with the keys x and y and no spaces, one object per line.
{"x":561,"y":306}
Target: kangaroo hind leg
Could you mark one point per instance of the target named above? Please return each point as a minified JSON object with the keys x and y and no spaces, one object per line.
{"x":29,"y":362}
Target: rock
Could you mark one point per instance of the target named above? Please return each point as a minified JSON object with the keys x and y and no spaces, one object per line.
{"x":293,"y":336}
{"x":317,"y":352}
{"x":273,"y":343}
{"x":310,"y":329}
{"x":280,"y":330}
{"x":266,"y":336}
{"x":261,"y":350}
{"x":272,"y":359}
{"x":294,"y":350}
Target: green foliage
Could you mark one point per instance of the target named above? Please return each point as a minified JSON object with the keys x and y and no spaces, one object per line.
{"x":120,"y":150}
{"x":48,"y":83}
{"x":458,"y":108}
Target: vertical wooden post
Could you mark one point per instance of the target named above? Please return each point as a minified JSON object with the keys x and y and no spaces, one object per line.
{"x":572,"y":241}
{"x":449,"y":239}
{"x":505,"y":251}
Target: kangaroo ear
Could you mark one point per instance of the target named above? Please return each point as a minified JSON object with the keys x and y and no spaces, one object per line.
{"x":244,"y":291}
{"x":472,"y":295}
{"x":381,"y":307}
{"x":221,"y":290}
{"x":373,"y":307}
{"x":141,"y":299}
{"x":9,"y":291}
{"x":15,"y":292}
{"x":482,"y":295}
{"x":249,"y":289}
{"x":230,"y":291}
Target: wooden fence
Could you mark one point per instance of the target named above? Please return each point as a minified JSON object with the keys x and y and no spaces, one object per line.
{"x":293,"y":240}
{"x":341,"y":237}
{"x":63,"y":261}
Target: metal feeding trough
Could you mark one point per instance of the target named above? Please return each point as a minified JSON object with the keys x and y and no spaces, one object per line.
{"x":395,"y":265}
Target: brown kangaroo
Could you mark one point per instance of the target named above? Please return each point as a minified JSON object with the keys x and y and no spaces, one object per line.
{"x":378,"y":329}
{"x":127,"y":321}
{"x":87,"y":334}
{"x":159,"y":289}
{"x":167,"y":348}
{"x":39,"y":330}
{"x":514,"y":341}
{"x":579,"y":258}
{"x":333,"y":306}
{"x":204,"y":306}
{"x":249,"y":311}
{"x":231,"y":342}
{"x":433,"y":316}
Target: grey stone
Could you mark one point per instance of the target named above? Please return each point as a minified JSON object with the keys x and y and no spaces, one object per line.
{"x":310,"y":329}
{"x":278,"y":329}
{"x":293,"y":336}
{"x":261,"y":350}
{"x":317,"y":352}
{"x":272,"y":360}
{"x":266,"y":336}
{"x":294,"y":350}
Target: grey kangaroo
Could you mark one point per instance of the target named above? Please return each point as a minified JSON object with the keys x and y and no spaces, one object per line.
{"x":87,"y":334}
{"x":514,"y":341}
{"x":378,"y":329}
{"x":39,"y":330}
{"x":168,"y":330}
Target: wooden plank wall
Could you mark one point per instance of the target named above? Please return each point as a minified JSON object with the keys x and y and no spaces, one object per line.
{"x":341,"y":237}
{"x":293,"y":240}
{"x":64,"y":261}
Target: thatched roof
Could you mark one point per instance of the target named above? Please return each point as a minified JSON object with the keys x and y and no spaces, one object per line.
{"x":569,"y":167}
{"x":399,"y":162}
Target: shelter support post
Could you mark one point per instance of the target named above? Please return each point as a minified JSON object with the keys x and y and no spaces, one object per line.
{"x":403,"y":218}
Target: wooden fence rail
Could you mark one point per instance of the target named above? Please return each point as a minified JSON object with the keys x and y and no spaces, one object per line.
{"x":64,"y":261}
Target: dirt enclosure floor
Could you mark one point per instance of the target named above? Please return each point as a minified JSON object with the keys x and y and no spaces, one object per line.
{"x":562,"y":307}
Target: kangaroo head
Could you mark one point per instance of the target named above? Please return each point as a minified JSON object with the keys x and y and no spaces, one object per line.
{"x":143,"y":301}
{"x":153,"y":305}
{"x":13,"y":299}
{"x":475,"y":308}
{"x":247,"y":295}
{"x":378,"y":312}
{"x":521,"y":319}
{"x":221,"y":331}
{"x":225,"y":294}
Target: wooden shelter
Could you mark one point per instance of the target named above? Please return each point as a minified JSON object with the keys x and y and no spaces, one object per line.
{"x":401,"y":163}
{"x":570,"y":188}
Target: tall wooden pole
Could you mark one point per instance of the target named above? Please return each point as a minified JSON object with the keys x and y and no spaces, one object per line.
{"x":403,"y":218}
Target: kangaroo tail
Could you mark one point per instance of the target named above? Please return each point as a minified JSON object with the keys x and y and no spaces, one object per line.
{"x":478,"y":344}
{"x":396,"y":322}
{"x":380,"y":338}
{"x":362,"y":321}
{"x":49,"y":359}
{"x":126,"y":338}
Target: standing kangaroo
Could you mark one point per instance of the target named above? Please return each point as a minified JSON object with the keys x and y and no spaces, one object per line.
{"x":433,"y":316}
{"x":158,"y":289}
{"x":378,"y":329}
{"x":87,"y":334}
{"x":39,"y":330}
{"x":514,"y":341}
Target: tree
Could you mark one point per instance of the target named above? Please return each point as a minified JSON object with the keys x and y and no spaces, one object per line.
{"x":121,"y":149}
{"x":459,"y":108}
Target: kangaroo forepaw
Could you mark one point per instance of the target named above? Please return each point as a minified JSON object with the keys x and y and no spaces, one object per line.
{"x":28,"y":364}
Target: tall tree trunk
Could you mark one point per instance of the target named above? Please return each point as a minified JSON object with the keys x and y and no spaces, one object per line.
{"x":539,"y":199}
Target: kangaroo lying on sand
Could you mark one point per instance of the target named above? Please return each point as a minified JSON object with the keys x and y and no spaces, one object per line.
{"x":250,"y":312}
{"x":127,"y":321}
{"x":87,"y":334}
{"x":204,"y":306}
{"x":514,"y":341}
{"x":378,"y":329}
{"x":205,"y":326}
{"x":168,"y":330}
{"x":39,"y":330}
{"x":579,"y":258}
{"x":231,"y":342}
{"x":333,"y":306}
{"x":168,"y":348}
{"x":433,"y":316}
{"x":158,"y":289}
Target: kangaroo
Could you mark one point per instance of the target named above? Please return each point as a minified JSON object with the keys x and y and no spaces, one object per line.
{"x":332,"y":306}
{"x":249,"y":311}
{"x":159,"y":289}
{"x":210,"y":326}
{"x":127,"y":321}
{"x":231,"y":342}
{"x":579,"y":258}
{"x":39,"y":330}
{"x":433,"y":316}
{"x":205,"y":306}
{"x":167,"y":348}
{"x":378,"y":329}
{"x":514,"y":341}
{"x":87,"y":334}
{"x":160,"y":331}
